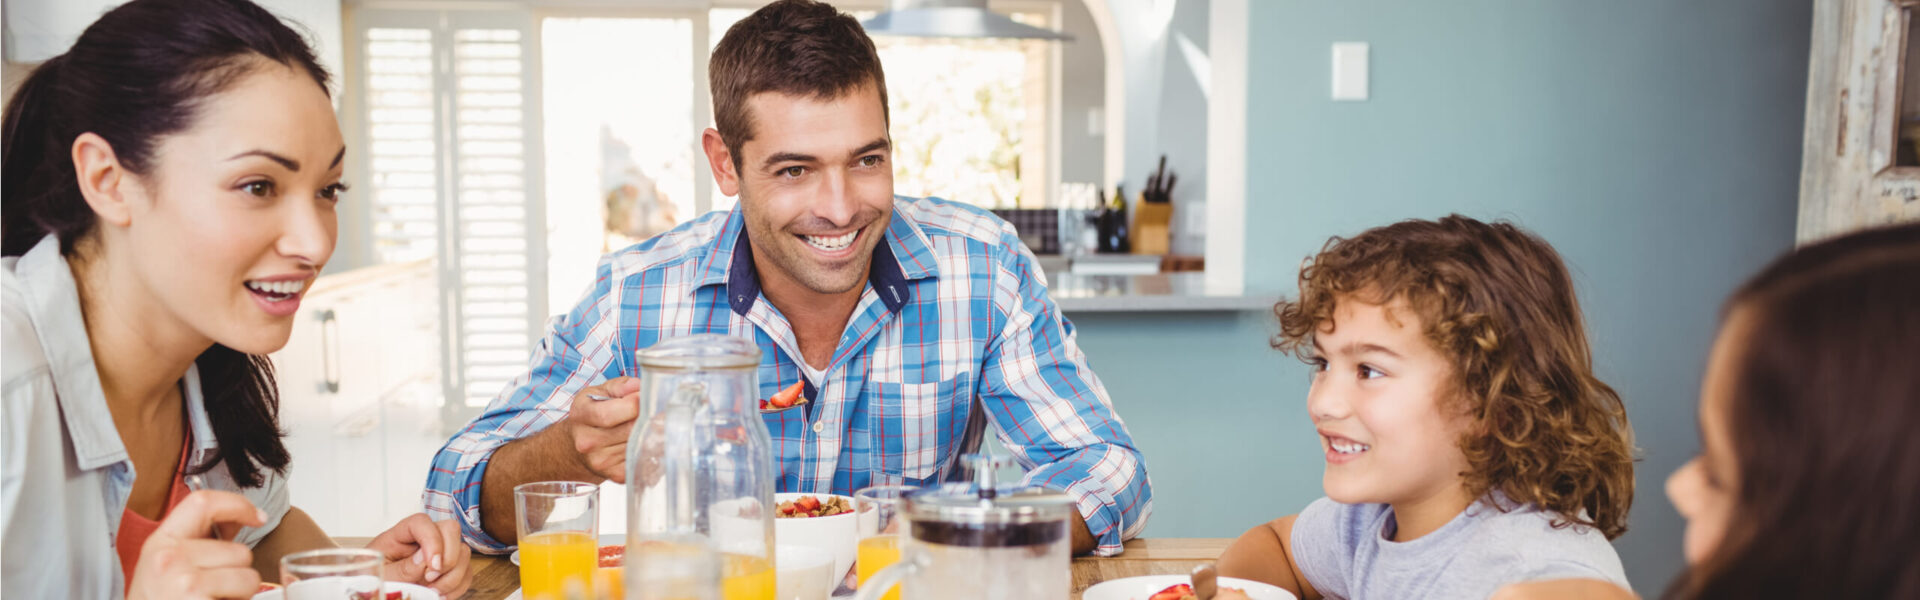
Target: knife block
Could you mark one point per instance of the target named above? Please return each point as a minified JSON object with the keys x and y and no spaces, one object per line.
{"x":1153,"y":227}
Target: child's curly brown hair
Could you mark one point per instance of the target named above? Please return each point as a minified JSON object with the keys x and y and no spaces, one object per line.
{"x":1499,"y":303}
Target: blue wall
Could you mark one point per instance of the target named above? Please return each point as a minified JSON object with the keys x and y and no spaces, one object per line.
{"x":1655,"y":143}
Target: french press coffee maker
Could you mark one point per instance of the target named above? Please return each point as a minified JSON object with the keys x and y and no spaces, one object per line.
{"x":967,"y":541}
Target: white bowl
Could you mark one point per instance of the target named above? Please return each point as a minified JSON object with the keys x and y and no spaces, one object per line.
{"x":835,"y":536}
{"x":413,"y":592}
{"x":1139,"y":588}
{"x":804,"y":573}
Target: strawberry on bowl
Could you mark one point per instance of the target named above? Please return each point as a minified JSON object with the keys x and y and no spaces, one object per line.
{"x":822,"y":522}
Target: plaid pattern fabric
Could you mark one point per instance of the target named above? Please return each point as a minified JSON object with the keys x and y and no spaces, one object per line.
{"x":954,"y":309}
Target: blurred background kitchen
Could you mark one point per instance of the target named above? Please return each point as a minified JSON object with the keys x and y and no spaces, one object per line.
{"x":499,"y":147}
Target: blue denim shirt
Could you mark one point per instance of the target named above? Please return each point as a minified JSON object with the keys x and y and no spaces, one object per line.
{"x":66,"y":474}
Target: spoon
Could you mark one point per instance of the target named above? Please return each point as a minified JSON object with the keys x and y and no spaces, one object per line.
{"x":1203,"y":580}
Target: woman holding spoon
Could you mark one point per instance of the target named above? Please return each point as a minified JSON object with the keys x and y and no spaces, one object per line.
{"x":171,"y":183}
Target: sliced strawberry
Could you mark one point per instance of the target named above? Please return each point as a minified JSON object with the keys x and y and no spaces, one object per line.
{"x":788,"y":397}
{"x":396,"y":595}
{"x":807,"y":503}
{"x":1174,"y":592}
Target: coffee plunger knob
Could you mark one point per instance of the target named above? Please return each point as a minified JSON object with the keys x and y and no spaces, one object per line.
{"x":985,"y":467}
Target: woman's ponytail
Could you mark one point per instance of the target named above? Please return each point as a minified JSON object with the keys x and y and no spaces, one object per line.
{"x":41,"y":195}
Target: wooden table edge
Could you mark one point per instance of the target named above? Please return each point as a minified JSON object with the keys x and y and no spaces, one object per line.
{"x":494,"y":577}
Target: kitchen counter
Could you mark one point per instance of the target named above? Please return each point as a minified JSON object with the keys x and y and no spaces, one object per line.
{"x":1164,"y":292}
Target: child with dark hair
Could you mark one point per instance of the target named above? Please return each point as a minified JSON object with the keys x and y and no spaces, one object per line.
{"x":1468,"y":443}
{"x":1808,"y":479}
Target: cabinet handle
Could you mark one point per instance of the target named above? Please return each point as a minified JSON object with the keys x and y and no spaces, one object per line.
{"x":330,"y":351}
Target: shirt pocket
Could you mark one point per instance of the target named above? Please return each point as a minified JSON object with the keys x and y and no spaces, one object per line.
{"x":914,"y":427}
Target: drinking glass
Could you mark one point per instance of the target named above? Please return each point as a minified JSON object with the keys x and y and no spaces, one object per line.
{"x":877,"y":513}
{"x":332,"y":574}
{"x":559,"y":548}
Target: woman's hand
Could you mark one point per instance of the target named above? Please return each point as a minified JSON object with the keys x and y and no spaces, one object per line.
{"x":420,"y":550}
{"x":182,"y":560}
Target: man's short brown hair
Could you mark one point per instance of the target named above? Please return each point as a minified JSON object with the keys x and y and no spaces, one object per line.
{"x":792,"y":47}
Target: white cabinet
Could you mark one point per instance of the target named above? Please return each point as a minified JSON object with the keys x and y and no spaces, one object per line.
{"x":360,"y":394}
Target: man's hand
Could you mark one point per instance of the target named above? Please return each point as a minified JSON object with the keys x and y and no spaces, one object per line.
{"x":589,"y":444}
{"x":1564,"y":589}
{"x":182,"y":560}
{"x":599,"y":428}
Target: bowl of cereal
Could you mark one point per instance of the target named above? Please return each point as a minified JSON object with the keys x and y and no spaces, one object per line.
{"x":823,"y":522}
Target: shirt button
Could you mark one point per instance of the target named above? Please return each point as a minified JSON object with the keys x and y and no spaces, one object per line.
{"x":819,"y":426}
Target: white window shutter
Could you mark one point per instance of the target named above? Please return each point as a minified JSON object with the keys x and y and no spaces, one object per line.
{"x":453,"y":169}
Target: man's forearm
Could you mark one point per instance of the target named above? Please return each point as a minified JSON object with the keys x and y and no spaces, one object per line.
{"x":545,"y":456}
{"x":1082,"y":538}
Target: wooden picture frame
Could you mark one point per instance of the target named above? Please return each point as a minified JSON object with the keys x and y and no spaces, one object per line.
{"x":1850,"y":178}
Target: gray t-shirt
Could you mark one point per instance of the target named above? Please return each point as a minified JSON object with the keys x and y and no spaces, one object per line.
{"x":1346,"y":552}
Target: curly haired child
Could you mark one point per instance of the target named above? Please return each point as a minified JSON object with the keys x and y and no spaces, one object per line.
{"x":1468,"y":442}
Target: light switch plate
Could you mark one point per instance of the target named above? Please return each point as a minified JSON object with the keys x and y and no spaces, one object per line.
{"x":1350,"y":71}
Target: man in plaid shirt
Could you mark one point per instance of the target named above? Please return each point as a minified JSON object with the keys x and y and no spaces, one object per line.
{"x":901,"y":317}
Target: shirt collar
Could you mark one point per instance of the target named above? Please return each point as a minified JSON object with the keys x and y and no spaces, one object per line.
{"x":203,"y":442}
{"x":905,"y":257}
{"x":54,"y":300}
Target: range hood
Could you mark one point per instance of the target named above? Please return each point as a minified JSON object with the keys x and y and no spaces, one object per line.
{"x":954,"y":19}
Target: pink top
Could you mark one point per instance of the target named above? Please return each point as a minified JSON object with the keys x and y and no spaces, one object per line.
{"x":135,"y":529}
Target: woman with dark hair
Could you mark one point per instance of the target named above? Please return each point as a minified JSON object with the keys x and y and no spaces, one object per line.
{"x":170,"y":191}
{"x":1808,"y":480}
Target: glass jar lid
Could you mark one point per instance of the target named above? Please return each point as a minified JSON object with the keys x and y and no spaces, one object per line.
{"x":984,"y":514}
{"x":701,"y":351}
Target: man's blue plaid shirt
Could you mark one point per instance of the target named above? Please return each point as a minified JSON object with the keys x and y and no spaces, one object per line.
{"x":955,"y":309}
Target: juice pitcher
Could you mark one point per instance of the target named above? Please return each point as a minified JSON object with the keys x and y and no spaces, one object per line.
{"x":976,"y":540}
{"x":700,"y":475}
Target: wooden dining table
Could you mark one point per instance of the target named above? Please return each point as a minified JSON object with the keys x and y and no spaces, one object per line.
{"x":494,"y":577}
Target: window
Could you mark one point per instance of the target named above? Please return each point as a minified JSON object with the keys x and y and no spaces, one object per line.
{"x":969,"y":116}
{"x":448,"y":169}
{"x":621,"y":139}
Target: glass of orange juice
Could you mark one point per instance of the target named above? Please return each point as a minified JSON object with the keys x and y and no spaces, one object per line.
{"x":559,"y":548}
{"x":877,"y":512}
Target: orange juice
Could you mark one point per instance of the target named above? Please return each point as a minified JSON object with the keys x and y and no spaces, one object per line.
{"x":746,"y":578}
{"x":548,"y":561}
{"x":607,"y":582}
{"x":876,"y":553}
